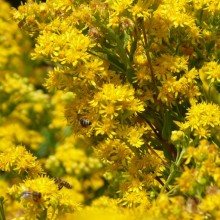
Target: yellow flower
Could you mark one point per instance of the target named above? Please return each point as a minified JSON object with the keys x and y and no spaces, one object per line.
{"x":203,"y":115}
{"x":119,"y":6}
{"x":188,"y":181}
{"x":57,"y":79}
{"x":167,"y":92}
{"x":17,"y":158}
{"x":61,"y":48}
{"x":209,"y":204}
{"x":105,"y":202}
{"x":143,"y":76}
{"x":106,"y":126}
{"x":211,"y":71}
{"x":135,"y":136}
{"x":167,"y":66}
{"x":108,"y":111}
{"x":133,"y":199}
{"x":140,"y":9}
{"x":212,"y":6}
{"x":91,"y":71}
{"x":42,"y":193}
{"x":177,"y":136}
{"x":116,"y":99}
{"x":114,"y":150}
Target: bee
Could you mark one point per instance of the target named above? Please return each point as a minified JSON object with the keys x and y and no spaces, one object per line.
{"x":61,"y":183}
{"x":84,"y":122}
{"x":36,"y":196}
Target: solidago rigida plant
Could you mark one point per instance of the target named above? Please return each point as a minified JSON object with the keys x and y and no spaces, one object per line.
{"x":128,"y":114}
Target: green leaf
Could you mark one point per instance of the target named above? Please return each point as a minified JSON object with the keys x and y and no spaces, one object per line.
{"x":43,"y":215}
{"x":173,"y":167}
{"x":132,"y":50}
{"x":167,"y":126}
{"x":210,"y":45}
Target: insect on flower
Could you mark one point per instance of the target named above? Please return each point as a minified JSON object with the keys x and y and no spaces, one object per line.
{"x":84,"y":122}
{"x":36,"y":196}
{"x":62,"y":183}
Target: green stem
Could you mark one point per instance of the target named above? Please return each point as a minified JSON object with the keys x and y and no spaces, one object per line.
{"x":200,"y":17}
{"x":147,"y":52}
{"x":105,"y":59}
{"x":43,"y":215}
{"x":209,"y":92}
{"x":2,"y":213}
{"x":173,"y":171}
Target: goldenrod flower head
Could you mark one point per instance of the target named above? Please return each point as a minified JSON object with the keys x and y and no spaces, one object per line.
{"x":143,"y":76}
{"x":209,"y":5}
{"x":141,"y":9}
{"x":177,"y":136}
{"x":204,"y":171}
{"x":211,"y":71}
{"x":167,"y":91}
{"x":65,"y":5}
{"x":167,"y":66}
{"x":174,"y":90}
{"x":133,"y":134}
{"x":209,"y":204}
{"x":106,"y":126}
{"x":105,"y":202}
{"x":203,"y":115}
{"x":134,"y":199}
{"x":115,"y":152}
{"x":42,"y":193}
{"x":57,"y":79}
{"x":144,"y":166}
{"x":62,"y":48}
{"x":205,"y":151}
{"x":112,"y":100}
{"x":17,"y":158}
{"x":91,"y":70}
{"x":119,"y":6}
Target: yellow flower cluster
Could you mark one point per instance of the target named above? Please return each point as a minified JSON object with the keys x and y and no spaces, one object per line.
{"x":113,"y":102}
{"x":201,"y":182}
{"x":126,"y":123}
{"x":9,"y":47}
{"x":202,"y":119}
{"x":16,"y":158}
{"x":41,"y":195}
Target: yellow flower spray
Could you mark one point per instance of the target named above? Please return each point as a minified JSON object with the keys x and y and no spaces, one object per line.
{"x":127,"y":117}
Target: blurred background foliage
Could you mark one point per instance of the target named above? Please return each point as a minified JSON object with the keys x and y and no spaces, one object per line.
{"x":34,"y":118}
